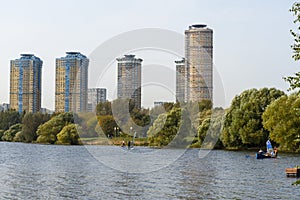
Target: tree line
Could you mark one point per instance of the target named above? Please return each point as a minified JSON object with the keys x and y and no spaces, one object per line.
{"x":253,"y":117}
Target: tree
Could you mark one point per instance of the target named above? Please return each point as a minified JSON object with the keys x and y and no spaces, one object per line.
{"x":210,"y":129}
{"x":243,"y":122}
{"x":294,"y":81}
{"x":296,"y":46}
{"x":165,"y":128}
{"x":107,"y":124}
{"x":31,"y":122}
{"x":1,"y":134}
{"x":205,"y":105}
{"x":9,"y":118}
{"x":47,"y":132}
{"x":11,"y":132}
{"x":282,"y":119}
{"x":68,"y":135}
{"x":88,"y":123}
{"x":103,"y":108}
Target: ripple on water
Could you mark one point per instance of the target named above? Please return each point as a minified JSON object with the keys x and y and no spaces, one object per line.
{"x":70,"y":172}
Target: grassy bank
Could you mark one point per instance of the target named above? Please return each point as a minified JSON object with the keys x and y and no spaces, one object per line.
{"x":113,"y":141}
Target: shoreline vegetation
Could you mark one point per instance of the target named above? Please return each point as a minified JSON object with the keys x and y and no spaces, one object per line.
{"x":253,"y":117}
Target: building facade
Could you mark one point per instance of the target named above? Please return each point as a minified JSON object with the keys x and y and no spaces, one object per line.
{"x":95,"y":96}
{"x":71,"y":83}
{"x":181,"y":81}
{"x":129,"y":79}
{"x":25,"y":83}
{"x":199,"y":63}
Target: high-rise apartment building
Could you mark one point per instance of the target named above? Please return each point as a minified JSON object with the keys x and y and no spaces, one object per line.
{"x":25,"y":83}
{"x":129,"y":79}
{"x":181,"y":81}
{"x":95,"y":96}
{"x":199,"y":63}
{"x":71,"y":83}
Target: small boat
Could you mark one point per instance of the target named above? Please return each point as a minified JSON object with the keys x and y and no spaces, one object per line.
{"x":293,"y":172}
{"x":270,"y":153}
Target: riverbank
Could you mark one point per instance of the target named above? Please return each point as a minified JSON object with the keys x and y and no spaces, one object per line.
{"x":113,"y":141}
{"x":117,"y":141}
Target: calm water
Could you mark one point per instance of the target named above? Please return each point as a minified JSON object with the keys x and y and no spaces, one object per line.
{"x":71,"y":172}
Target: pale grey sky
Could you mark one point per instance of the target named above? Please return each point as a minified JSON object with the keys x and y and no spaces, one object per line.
{"x":251,"y":37}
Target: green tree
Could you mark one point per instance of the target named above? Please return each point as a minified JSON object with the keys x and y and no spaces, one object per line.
{"x":88,"y":123}
{"x":103,"y":108}
{"x":210,"y":129}
{"x":107,"y":124}
{"x":186,"y":134}
{"x":205,"y":105}
{"x":9,"y":118}
{"x":296,"y":46}
{"x":31,"y":122}
{"x":11,"y":132}
{"x":165,"y":128}
{"x":1,"y":134}
{"x":47,"y":132}
{"x":68,"y":135}
{"x":243,"y":123}
{"x":294,"y":81}
{"x":282,"y":119}
{"x":19,"y":137}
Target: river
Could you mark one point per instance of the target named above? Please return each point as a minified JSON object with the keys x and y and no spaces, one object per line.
{"x":31,"y":171}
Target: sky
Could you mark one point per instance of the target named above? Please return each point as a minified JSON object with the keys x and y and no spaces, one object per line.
{"x":251,"y":37}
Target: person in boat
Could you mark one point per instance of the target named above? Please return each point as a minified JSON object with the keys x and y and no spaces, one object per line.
{"x":129,"y":144}
{"x":260,"y":151}
{"x":123,"y":143}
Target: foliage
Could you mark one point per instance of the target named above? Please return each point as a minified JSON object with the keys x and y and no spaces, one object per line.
{"x":243,"y":123}
{"x":294,"y":81}
{"x":10,"y":134}
{"x":126,"y":115}
{"x":169,"y":106}
{"x":140,"y":116}
{"x":68,"y":135}
{"x":88,"y":123}
{"x":296,"y":46}
{"x":205,"y":105}
{"x":281,"y":118}
{"x":107,"y":124}
{"x":47,"y":132}
{"x":1,"y":134}
{"x":104,"y":108}
{"x":31,"y":122}
{"x":210,"y":129}
{"x":165,"y":128}
{"x":9,"y":118}
{"x":185,"y":131}
{"x":19,"y":137}
{"x":296,"y":182}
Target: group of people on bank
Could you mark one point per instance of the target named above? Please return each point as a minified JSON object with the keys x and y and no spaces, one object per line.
{"x":129,"y":143}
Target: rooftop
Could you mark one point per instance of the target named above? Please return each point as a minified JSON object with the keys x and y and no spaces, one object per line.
{"x":197,"y":26}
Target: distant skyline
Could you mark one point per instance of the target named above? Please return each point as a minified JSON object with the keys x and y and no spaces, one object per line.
{"x":251,"y":38}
